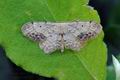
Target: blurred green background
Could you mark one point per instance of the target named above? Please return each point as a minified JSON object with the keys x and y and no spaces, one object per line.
{"x":109,"y":11}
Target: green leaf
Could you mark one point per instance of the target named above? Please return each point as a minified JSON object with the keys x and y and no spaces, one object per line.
{"x":117,"y":67}
{"x":88,"y":64}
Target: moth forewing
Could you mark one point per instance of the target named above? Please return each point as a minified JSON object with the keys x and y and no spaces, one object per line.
{"x":26,"y":28}
{"x":30,"y":30}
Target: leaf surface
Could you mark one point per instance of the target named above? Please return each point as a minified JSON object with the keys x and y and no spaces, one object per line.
{"x":88,"y":64}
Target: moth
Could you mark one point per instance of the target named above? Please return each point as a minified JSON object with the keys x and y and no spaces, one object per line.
{"x":53,"y":36}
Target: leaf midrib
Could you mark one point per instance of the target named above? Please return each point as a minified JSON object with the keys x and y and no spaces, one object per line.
{"x":82,"y":62}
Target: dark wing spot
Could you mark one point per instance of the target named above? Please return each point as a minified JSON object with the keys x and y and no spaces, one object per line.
{"x":33,"y":34}
{"x":90,"y":21}
{"x":82,"y":26}
{"x":85,"y":36}
{"x":37,"y":36}
{"x":81,"y":36}
{"x":42,"y":36}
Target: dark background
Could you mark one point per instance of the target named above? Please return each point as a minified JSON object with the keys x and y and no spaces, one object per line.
{"x":109,"y":11}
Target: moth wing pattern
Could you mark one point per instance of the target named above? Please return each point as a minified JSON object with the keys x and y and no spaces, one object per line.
{"x":79,"y":32}
{"x":33,"y":31}
{"x":53,"y":36}
{"x":51,"y":44}
{"x":92,"y":31}
{"x":71,"y":42}
{"x":85,"y":30}
{"x":45,"y":33}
